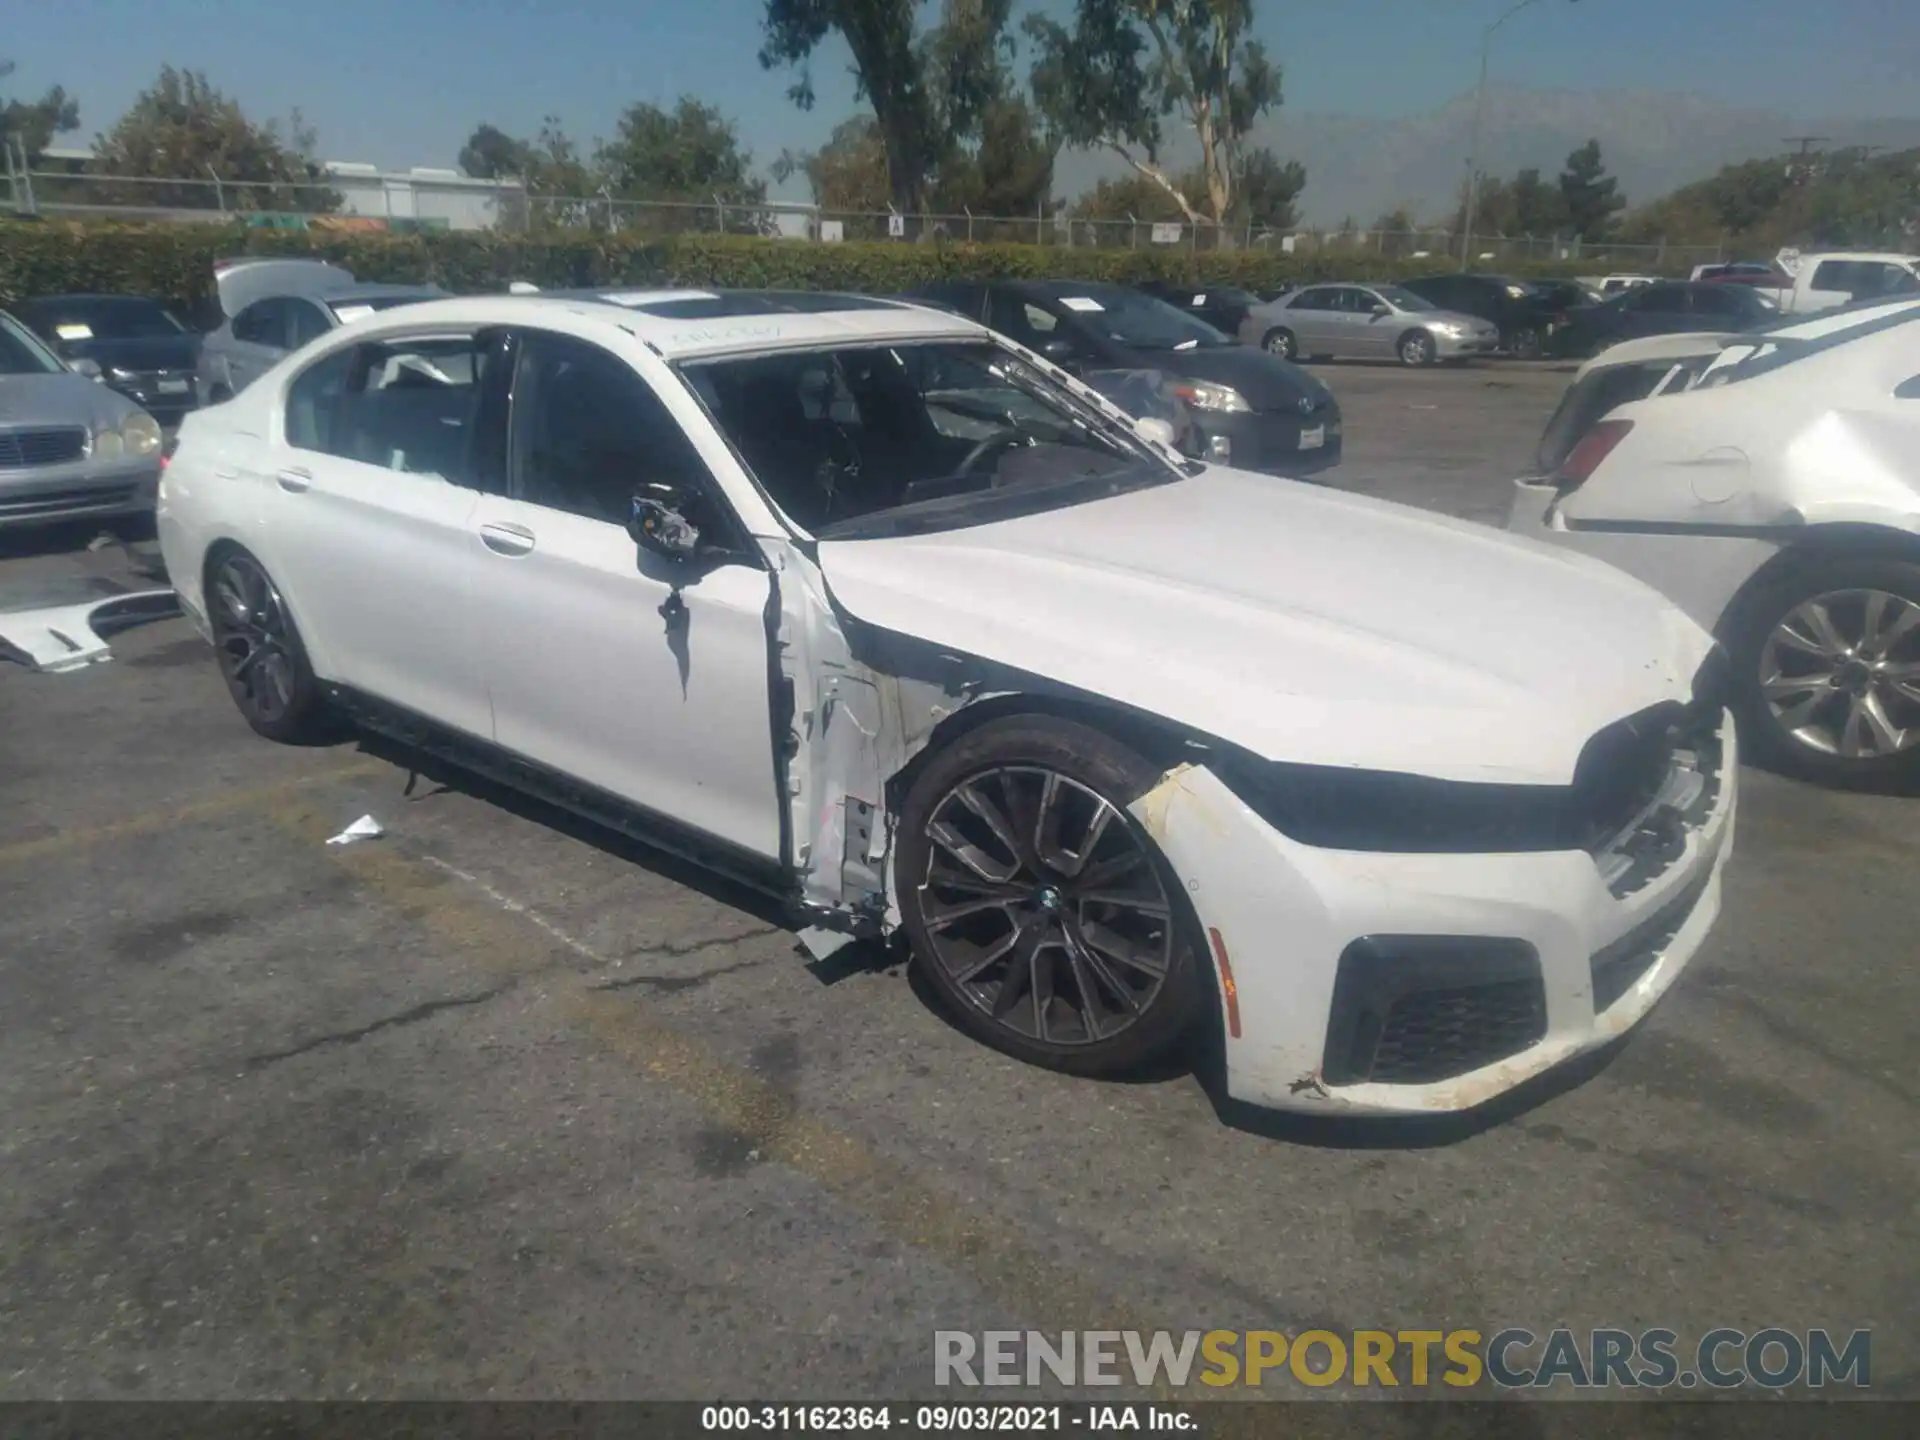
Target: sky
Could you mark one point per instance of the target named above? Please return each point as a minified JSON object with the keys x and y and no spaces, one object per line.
{"x":403,"y":82}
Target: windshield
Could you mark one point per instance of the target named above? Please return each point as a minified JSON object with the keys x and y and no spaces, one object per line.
{"x":1402,"y":298}
{"x":1141,"y":322}
{"x":863,"y":443}
{"x":107,"y":317}
{"x":22,"y":354}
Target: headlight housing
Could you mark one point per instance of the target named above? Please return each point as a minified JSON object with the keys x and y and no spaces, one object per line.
{"x":140,"y":432}
{"x":1376,"y":810}
{"x":1206,"y":395}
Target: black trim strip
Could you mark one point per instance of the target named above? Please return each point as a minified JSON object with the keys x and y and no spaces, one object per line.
{"x":1782,"y":533}
{"x":516,"y":772}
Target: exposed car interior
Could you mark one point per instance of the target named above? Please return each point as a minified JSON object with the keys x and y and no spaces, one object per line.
{"x":837,"y":435}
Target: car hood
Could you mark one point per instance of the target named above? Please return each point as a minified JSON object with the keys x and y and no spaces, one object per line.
{"x":160,"y":352}
{"x":1299,"y":623}
{"x":1266,"y":381}
{"x":242,"y":282}
{"x":33,"y":400}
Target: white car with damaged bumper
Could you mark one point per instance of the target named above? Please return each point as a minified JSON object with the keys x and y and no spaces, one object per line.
{"x":1127,"y":746}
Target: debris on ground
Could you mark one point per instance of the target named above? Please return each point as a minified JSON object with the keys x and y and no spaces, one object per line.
{"x":365,"y":828}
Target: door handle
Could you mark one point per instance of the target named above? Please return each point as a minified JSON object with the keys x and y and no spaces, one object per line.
{"x":507,"y":539}
{"x":294,"y":482}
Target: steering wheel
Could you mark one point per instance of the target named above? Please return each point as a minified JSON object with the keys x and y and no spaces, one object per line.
{"x":991,"y":447}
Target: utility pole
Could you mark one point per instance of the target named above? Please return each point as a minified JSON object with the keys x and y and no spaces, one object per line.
{"x":1479,"y":121}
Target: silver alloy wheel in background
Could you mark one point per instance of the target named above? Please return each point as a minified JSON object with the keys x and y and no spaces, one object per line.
{"x":1841,"y":674}
{"x":1280,"y":342}
{"x":1043,"y":905}
{"x":250,"y":629}
{"x":1417,"y":349}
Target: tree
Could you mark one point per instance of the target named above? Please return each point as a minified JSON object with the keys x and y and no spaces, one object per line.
{"x":1591,"y":196}
{"x":1112,"y":81}
{"x":492,"y":154}
{"x":1010,"y":171}
{"x":182,"y":128}
{"x":849,"y":173}
{"x":1130,"y":197}
{"x":889,"y":68}
{"x":34,"y":123}
{"x":1265,"y":190}
{"x":1538,"y":209}
{"x":689,"y":153}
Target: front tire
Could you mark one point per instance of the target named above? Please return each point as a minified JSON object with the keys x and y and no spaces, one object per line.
{"x":1525,"y":344}
{"x":1038,"y":908}
{"x":1417,"y":348}
{"x":1828,"y":663}
{"x":261,"y":656}
{"x":1281,"y":342}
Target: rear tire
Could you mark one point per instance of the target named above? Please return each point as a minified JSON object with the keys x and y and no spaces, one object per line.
{"x":1039,"y":909}
{"x":1826,"y":657}
{"x":1524,"y":344}
{"x":1416,"y":348}
{"x":1281,"y":342}
{"x":261,"y":656}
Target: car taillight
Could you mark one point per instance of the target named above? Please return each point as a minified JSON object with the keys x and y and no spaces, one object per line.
{"x":1585,"y":457}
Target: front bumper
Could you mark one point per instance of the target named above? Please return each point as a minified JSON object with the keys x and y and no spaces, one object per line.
{"x":1495,"y":968}
{"x":1273,"y":442}
{"x":1459,"y":347}
{"x":79,"y":490}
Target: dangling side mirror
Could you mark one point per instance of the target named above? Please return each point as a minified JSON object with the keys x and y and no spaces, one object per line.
{"x":658,"y":523}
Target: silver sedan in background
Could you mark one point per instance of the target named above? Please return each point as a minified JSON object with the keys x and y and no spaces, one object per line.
{"x":1366,"y":322}
{"x":69,"y":446}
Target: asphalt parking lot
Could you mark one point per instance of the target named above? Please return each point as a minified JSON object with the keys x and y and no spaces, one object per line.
{"x":496,"y":1106}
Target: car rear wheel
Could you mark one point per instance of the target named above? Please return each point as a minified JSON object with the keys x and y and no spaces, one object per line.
{"x":1417,"y":348}
{"x":1038,"y":908}
{"x":1829,"y":657}
{"x":261,"y":657}
{"x":1281,"y":342}
{"x":1524,"y":344}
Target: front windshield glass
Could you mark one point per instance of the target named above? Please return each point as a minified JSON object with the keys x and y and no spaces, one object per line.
{"x":1403,"y":299}
{"x":110,"y":317}
{"x":22,"y":354}
{"x":862,"y":443}
{"x":1141,"y":322}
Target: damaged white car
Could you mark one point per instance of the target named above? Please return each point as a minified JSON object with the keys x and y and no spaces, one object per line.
{"x":1127,"y":745}
{"x":1768,"y":482}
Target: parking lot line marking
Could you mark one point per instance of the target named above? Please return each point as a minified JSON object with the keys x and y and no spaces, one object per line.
{"x":231,"y":803}
{"x":490,"y":931}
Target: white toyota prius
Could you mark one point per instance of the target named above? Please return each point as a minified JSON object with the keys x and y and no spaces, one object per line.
{"x":880,"y":612}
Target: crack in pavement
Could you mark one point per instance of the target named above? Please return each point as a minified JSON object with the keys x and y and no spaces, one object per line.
{"x":413,"y":1015}
{"x":672,"y":951}
{"x":672,"y":984}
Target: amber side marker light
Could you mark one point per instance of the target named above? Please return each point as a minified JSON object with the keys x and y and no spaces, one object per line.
{"x":1229,"y":992}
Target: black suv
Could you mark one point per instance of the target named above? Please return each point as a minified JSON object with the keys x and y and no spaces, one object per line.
{"x":1224,"y":307}
{"x":1514,"y":307}
{"x":1253,"y":410}
{"x":128,"y":342}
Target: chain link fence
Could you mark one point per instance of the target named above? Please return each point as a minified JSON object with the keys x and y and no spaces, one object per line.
{"x":444,"y":200}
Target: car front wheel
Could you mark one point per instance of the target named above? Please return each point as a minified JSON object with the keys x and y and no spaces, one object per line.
{"x":1038,"y":907}
{"x":1417,"y":348}
{"x":1281,"y":343}
{"x":1829,"y":657}
{"x":1524,"y":343}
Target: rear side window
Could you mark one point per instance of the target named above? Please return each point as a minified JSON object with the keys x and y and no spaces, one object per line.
{"x":403,"y":405}
{"x":263,"y":323}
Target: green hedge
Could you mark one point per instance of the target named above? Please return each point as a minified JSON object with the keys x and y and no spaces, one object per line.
{"x":175,"y":262}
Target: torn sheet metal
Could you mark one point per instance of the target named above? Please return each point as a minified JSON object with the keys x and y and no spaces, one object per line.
{"x":62,"y":624}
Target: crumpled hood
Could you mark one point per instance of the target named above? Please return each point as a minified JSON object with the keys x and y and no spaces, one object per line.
{"x":60,"y":399}
{"x":1300,"y":623}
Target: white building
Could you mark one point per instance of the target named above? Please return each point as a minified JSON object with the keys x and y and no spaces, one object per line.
{"x":433,"y":198}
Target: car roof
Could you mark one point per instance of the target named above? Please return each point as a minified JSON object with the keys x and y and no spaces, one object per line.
{"x":91,"y":297}
{"x":695,"y":324}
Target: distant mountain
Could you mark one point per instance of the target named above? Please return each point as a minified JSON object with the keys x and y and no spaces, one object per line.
{"x":1653,"y":141}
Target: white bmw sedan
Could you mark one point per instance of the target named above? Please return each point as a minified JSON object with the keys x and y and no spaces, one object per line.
{"x":867,"y":606}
